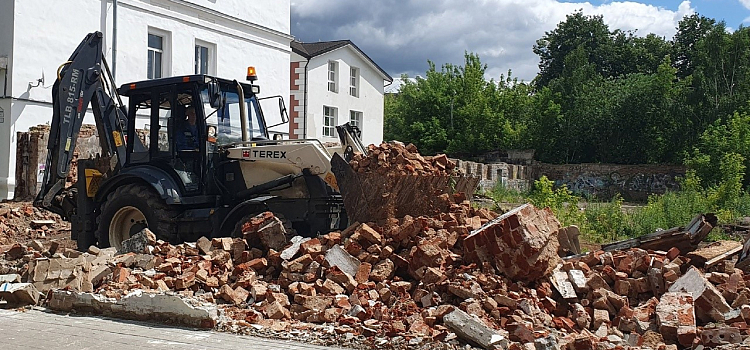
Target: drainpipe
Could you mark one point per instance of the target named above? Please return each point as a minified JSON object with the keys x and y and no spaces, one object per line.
{"x":114,"y":40}
{"x":304,"y":108}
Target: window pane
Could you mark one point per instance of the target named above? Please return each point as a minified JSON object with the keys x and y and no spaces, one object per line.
{"x":155,"y":41}
{"x":165,"y":111}
{"x":197,"y":60}
{"x":204,"y":60}
{"x":157,"y":65}
{"x":150,"y":64}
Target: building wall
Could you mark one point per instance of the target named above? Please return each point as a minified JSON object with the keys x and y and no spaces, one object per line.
{"x":296,"y":98}
{"x":369,"y":102}
{"x":6,"y":80}
{"x":47,"y":32}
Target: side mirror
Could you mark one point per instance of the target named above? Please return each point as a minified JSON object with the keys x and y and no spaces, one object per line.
{"x":283,"y":114}
{"x":283,"y":111}
{"x":214,"y":95}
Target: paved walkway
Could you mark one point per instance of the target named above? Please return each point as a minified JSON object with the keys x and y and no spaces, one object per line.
{"x":41,"y":330}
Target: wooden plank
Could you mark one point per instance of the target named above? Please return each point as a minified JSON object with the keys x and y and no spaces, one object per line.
{"x":721,"y":257}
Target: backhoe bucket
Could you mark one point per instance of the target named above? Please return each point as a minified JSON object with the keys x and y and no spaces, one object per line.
{"x":370,"y":197}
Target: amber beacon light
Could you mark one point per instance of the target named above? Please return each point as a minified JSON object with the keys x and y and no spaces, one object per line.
{"x":251,"y":75}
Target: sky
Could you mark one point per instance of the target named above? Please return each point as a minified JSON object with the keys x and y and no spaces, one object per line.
{"x":401,"y":36}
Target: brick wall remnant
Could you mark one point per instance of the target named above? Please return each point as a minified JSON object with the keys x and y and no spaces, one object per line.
{"x":522,"y":243}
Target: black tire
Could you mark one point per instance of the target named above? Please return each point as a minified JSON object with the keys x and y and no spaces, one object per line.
{"x":159,"y":217}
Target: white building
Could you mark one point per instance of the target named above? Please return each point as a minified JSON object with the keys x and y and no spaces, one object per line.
{"x":155,"y":38}
{"x":334,"y":82}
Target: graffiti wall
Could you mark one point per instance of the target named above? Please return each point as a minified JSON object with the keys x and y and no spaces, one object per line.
{"x":603,"y":181}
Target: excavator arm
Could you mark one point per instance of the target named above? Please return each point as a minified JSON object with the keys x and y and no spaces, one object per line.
{"x":81,"y":81}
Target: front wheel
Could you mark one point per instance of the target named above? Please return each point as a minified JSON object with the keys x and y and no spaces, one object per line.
{"x":130,"y":209}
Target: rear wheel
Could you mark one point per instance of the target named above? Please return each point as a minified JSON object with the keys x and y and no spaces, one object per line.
{"x":130,"y":209}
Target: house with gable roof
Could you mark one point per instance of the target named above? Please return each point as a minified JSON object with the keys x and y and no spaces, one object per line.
{"x":332,"y":83}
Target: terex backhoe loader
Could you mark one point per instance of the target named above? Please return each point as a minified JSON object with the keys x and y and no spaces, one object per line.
{"x":200,"y":165}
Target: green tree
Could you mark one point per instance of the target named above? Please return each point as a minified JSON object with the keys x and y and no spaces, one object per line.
{"x":458,"y":111}
{"x":587,"y":33}
{"x":722,"y":76}
{"x":690,"y":30}
{"x":720,"y":147}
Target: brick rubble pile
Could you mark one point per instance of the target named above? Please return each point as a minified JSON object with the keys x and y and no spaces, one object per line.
{"x":467,"y":274}
{"x":23,"y":222}
{"x":399,"y":159}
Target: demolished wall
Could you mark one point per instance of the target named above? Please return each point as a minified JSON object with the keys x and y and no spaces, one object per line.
{"x":31,"y":156}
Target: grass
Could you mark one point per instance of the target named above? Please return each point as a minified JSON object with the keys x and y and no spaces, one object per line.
{"x":603,"y":222}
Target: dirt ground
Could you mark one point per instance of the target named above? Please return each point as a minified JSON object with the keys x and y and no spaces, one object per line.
{"x":21,"y":222}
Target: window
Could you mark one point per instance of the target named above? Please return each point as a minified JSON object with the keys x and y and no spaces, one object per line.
{"x":201,"y":59}
{"x":355,"y":118}
{"x":155,"y":56}
{"x":329,"y":121}
{"x":333,"y":68}
{"x":354,"y":81}
{"x":204,"y":58}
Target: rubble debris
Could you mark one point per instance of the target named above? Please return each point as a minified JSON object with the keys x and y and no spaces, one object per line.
{"x":709,"y":302}
{"x":265,"y":230}
{"x":19,"y":294}
{"x":569,"y":242}
{"x":685,"y":239}
{"x":138,"y":243}
{"x":714,"y":337}
{"x":743,"y":261}
{"x":338,"y":257}
{"x":408,"y":282}
{"x":713,"y":253}
{"x":393,"y":181}
{"x":522,"y":243}
{"x":139,"y":306}
{"x":11,"y":278}
{"x":676,"y":317}
{"x":474,"y":330}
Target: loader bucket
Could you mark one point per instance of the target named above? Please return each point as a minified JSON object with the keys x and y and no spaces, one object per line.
{"x":370,"y":197}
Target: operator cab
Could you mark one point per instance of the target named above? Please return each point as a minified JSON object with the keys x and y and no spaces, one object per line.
{"x":181,"y":124}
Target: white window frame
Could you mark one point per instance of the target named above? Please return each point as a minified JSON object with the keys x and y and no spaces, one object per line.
{"x":211,"y":47}
{"x":333,"y":75}
{"x":330,"y":114}
{"x":166,"y":52}
{"x":354,"y":81}
{"x":355,"y":118}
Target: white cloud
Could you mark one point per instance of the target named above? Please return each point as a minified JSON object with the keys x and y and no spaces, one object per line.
{"x":745,"y":3}
{"x":402,"y":35}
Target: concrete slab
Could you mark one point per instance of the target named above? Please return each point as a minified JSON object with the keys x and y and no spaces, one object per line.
{"x":36,"y":329}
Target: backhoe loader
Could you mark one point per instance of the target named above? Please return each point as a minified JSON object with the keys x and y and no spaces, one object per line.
{"x":189,"y":156}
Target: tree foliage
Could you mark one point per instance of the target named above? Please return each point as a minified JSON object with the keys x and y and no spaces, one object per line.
{"x":456,"y":110}
{"x":601,"y":95}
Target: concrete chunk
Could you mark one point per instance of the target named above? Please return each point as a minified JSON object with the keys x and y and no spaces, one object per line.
{"x":709,"y":303}
{"x":19,"y":294}
{"x":337,"y":256}
{"x":291,"y":251}
{"x":138,"y":243}
{"x":560,"y":280}
{"x":12,"y":278}
{"x":474,"y":330}
{"x":139,"y":306}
